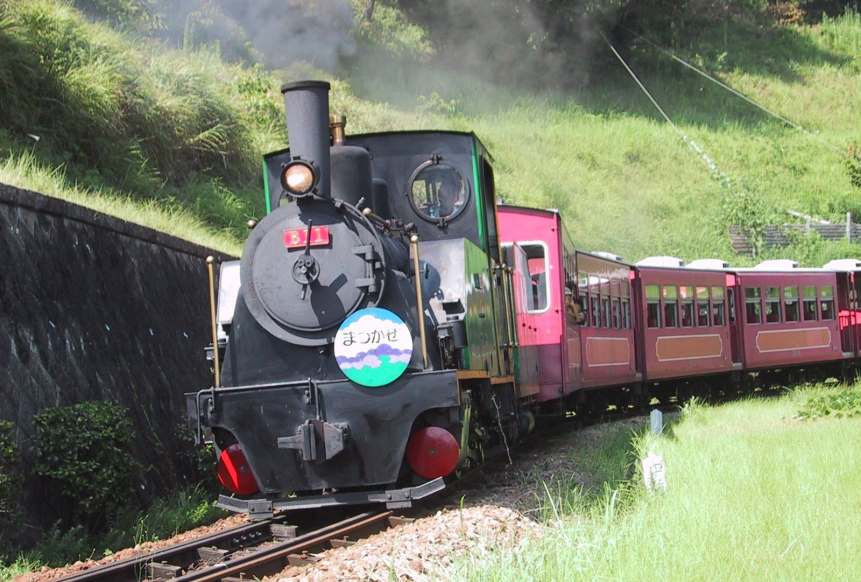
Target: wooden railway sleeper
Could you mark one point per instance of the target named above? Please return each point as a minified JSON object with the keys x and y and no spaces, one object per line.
{"x":282,"y":532}
{"x":303,"y":559}
{"x":163,"y":571}
{"x":212,"y":554}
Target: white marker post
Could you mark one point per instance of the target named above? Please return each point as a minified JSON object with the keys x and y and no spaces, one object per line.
{"x":656,"y":418}
{"x":654,"y":473}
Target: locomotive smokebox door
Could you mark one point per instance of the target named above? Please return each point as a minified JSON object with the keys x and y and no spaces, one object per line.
{"x":308,"y":266}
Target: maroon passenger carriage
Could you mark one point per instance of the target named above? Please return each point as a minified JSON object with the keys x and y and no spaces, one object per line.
{"x":686,"y":331}
{"x":848,"y":296}
{"x":662,"y":329}
{"x":790,"y":325}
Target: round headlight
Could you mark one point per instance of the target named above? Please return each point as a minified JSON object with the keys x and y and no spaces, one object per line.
{"x":298,"y":178}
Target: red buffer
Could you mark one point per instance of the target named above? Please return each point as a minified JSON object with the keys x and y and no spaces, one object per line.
{"x":234,"y":472}
{"x":433,"y":452}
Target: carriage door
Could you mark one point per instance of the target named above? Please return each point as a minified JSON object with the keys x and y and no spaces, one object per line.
{"x":732,"y":306}
{"x":854,"y":278}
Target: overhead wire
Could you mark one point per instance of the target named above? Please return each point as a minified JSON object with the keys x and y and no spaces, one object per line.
{"x":736,"y":92}
{"x":722,"y":177}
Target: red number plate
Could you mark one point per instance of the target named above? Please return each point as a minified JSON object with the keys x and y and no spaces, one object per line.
{"x":298,"y":237}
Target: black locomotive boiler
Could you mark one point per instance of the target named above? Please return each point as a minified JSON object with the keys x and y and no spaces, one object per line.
{"x":367,"y":333}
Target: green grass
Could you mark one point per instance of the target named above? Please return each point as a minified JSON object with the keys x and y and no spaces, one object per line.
{"x":755,"y":493}
{"x":164,"y":519}
{"x":182,"y":131}
{"x":25,"y":171}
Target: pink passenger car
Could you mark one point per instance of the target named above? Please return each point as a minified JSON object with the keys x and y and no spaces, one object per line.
{"x":597,"y":352}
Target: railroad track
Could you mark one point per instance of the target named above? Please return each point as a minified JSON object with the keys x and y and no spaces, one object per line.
{"x":250,"y":551}
{"x":266,"y":547}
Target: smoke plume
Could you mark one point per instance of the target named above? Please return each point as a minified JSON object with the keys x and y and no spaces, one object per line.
{"x":283,"y":32}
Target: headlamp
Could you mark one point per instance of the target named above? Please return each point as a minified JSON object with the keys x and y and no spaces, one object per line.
{"x":298,"y":178}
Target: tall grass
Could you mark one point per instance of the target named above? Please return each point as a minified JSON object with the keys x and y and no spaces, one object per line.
{"x":754,"y":494}
{"x":25,"y":171}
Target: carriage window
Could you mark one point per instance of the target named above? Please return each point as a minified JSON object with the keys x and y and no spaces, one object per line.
{"x":626,"y":313}
{"x":653,"y":301}
{"x":703,"y":319}
{"x":687,"y":297}
{"x":772,"y":304}
{"x":536,"y":264}
{"x":671,"y":306}
{"x":617,"y":313}
{"x":583,"y":287}
{"x":752,"y":299}
{"x":730,"y":303}
{"x":826,"y":294}
{"x":595,"y":314}
{"x":438,"y":192}
{"x":810,"y":313}
{"x":718,"y":305}
{"x":605,"y":310}
{"x":790,"y":304}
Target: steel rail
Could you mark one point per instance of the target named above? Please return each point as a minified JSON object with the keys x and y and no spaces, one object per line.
{"x":273,"y":559}
{"x":237,"y":550}
{"x":182,"y":553}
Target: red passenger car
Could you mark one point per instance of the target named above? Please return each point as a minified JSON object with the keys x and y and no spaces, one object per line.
{"x":685,"y":330}
{"x":848,"y":273}
{"x":606,"y":337}
{"x":533,"y":241}
{"x":789,"y":318}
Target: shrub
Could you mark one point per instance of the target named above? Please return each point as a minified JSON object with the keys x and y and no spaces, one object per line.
{"x":834,"y":404}
{"x":84,"y":450}
{"x":60,"y":547}
{"x":10,"y":489}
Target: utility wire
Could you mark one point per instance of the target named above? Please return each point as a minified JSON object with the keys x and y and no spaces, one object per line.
{"x":691,"y":143}
{"x":735,"y":92}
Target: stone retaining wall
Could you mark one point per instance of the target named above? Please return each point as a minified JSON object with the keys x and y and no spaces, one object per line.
{"x":96,"y":308}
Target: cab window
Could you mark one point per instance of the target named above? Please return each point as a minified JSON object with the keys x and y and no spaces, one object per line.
{"x":438,"y":192}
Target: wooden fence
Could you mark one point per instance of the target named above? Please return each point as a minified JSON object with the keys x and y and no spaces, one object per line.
{"x":781,"y":236}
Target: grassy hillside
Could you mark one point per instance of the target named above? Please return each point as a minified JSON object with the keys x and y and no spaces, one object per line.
{"x":171,"y":134}
{"x":757,"y":490}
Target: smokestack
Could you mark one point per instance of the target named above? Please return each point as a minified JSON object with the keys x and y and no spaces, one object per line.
{"x":307,"y":106}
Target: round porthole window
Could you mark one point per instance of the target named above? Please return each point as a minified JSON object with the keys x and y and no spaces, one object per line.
{"x":438,"y":192}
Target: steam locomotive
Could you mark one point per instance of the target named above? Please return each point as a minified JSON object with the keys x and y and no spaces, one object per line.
{"x":389,"y":325}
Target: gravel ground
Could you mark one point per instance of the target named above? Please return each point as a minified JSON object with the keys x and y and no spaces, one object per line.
{"x":49,"y":573}
{"x":498,"y":508}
